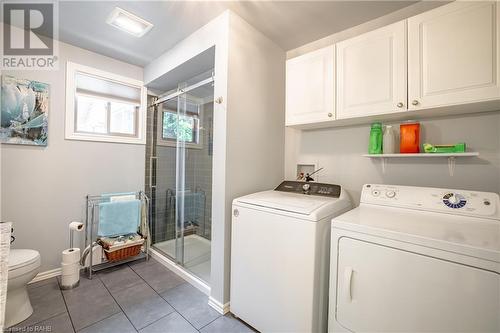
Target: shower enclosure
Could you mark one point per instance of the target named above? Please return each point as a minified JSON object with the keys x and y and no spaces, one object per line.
{"x":179,"y":153}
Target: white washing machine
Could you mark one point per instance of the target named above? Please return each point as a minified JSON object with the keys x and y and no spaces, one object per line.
{"x":280,"y":256}
{"x":412,"y":259}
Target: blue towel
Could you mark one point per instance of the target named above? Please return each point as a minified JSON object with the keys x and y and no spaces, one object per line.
{"x":119,"y":218}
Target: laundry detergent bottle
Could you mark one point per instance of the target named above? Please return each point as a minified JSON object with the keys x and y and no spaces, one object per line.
{"x":409,"y":135}
{"x":375,"y":146}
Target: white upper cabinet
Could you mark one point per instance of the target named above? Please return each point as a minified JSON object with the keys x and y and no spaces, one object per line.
{"x":444,"y":61}
{"x":453,"y":55}
{"x":371,"y":73}
{"x":310,"y":87}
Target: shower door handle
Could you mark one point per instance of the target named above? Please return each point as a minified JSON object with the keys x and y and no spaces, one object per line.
{"x":151,"y":159}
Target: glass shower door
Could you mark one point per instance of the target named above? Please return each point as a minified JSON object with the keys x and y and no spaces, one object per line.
{"x":183,"y":177}
{"x":163,"y":177}
{"x":169,"y":181}
{"x":194,"y":181}
{"x":180,"y":194}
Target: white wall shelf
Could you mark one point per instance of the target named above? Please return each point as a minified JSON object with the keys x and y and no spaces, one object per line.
{"x":450,"y":156}
{"x":467,"y":154}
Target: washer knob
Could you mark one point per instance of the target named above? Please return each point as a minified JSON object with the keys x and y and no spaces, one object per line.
{"x":306,"y":187}
{"x":390,"y":194}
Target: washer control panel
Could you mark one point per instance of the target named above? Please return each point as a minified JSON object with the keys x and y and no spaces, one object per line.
{"x":460,"y":202}
{"x":310,"y":188}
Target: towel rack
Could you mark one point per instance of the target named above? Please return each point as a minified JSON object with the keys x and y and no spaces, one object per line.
{"x":198,"y":213}
{"x":92,"y":224}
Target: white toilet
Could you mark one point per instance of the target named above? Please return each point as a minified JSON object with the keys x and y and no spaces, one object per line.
{"x":24,"y":265}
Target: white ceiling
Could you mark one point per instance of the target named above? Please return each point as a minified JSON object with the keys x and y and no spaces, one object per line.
{"x":288,"y":23}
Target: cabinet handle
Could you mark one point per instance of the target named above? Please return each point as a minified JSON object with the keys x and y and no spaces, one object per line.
{"x":330,"y":114}
{"x":347,"y":282}
{"x":400,"y":105}
{"x":414,"y":102}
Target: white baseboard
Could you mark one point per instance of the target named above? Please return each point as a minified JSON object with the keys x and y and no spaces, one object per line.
{"x":218,"y":306}
{"x":46,"y":275}
{"x":180,"y":271}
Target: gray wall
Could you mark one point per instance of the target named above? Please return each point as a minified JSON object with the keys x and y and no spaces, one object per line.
{"x":255,"y":124}
{"x":401,"y":14}
{"x":43,"y":189}
{"x":339,"y":151}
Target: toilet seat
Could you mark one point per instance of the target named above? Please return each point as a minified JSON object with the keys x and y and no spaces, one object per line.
{"x":22,"y":261}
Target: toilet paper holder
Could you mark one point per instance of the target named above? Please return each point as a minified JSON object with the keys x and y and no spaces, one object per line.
{"x":70,"y":271}
{"x":74,"y":226}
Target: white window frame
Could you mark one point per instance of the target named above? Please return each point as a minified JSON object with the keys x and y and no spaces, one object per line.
{"x":70,"y":124}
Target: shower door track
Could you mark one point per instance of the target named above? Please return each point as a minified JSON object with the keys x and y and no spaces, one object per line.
{"x":167,"y":261}
{"x":183,"y":91}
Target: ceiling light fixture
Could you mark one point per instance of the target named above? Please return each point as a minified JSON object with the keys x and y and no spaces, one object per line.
{"x":128,"y":22}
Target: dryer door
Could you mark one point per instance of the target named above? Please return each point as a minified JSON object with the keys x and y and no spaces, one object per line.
{"x":385,"y":289}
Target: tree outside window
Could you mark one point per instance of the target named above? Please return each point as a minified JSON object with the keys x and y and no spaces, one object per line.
{"x":183,"y":127}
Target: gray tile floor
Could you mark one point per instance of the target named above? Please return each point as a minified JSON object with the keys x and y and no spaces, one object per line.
{"x":142,"y":297}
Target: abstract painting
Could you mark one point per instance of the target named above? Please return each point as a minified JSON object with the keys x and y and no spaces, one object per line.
{"x":24,"y":111}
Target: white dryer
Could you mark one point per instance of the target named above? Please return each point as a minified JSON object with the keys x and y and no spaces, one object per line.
{"x":412,"y":259}
{"x":280,"y":256}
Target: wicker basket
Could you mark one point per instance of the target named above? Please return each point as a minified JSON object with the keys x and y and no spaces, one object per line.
{"x":122,"y":253}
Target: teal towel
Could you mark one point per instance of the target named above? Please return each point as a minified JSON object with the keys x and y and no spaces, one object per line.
{"x":119,"y":218}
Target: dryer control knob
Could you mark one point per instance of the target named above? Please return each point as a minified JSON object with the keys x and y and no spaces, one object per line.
{"x":454,"y":200}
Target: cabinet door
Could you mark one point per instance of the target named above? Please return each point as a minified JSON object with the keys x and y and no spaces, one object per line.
{"x":383,"y":289}
{"x":453,"y":55}
{"x":371,"y":72}
{"x":310,"y":87}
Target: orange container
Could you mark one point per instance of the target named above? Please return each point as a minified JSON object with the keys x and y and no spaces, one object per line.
{"x":409,"y":138}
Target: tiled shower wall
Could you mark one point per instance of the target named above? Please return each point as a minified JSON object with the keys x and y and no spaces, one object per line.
{"x":198,"y":178}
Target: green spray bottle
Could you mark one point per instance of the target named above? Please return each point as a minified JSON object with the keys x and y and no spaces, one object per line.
{"x":375,"y":146}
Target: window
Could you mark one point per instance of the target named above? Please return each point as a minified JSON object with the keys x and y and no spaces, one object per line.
{"x":185,"y":130}
{"x":102,"y":106}
{"x":99,"y":115}
{"x":184,"y":127}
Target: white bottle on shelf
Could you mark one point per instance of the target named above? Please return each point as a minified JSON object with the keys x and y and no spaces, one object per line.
{"x":389,"y":140}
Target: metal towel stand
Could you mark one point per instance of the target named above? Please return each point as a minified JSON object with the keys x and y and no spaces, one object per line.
{"x":92,"y":222}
